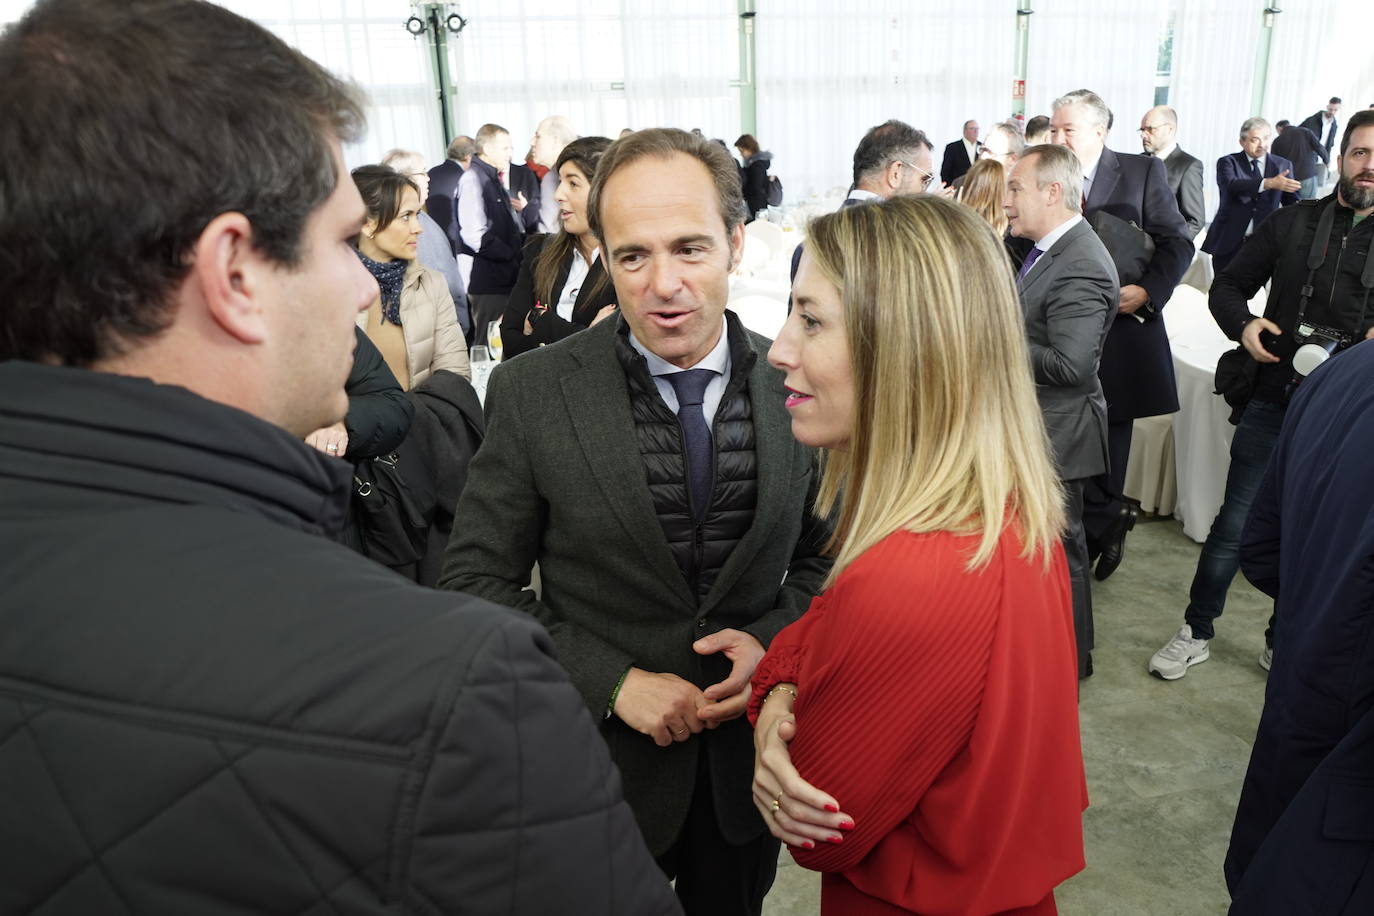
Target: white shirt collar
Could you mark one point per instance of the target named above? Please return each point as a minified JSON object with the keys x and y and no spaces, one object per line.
{"x":1090,"y":171}
{"x":1058,"y":232}
{"x":718,"y":359}
{"x":861,"y":194}
{"x":1167,"y":151}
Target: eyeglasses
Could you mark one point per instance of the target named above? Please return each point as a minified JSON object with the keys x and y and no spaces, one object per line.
{"x":1150,"y":128}
{"x":926,"y":178}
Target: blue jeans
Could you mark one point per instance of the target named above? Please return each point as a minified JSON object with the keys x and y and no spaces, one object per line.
{"x":1217,"y":566}
{"x":1309,"y":188}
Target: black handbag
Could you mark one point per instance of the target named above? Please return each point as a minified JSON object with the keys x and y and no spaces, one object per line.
{"x":391,"y":525}
{"x":1235,"y":380}
{"x":1130,"y":247}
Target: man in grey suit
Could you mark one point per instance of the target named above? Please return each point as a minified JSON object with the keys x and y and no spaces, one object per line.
{"x":1069,"y":294}
{"x":648,"y":466}
{"x":1159,"y":138}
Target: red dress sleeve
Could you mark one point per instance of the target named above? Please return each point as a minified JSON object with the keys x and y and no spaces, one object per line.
{"x":783,"y":660}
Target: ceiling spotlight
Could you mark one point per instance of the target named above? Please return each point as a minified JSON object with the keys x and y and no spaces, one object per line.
{"x":415,"y":26}
{"x":455,"y":23}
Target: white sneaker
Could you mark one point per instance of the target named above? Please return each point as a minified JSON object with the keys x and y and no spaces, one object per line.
{"x":1266,"y":659}
{"x":1179,"y":654}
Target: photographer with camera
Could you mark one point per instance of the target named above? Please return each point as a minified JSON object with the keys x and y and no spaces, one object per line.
{"x":1317,"y":257}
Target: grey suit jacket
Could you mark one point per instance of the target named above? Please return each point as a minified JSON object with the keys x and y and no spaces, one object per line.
{"x":1069,"y":299}
{"x":559,"y":480}
{"x":1185,"y":180}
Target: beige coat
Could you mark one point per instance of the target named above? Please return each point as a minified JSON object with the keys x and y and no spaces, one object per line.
{"x":434,"y":340}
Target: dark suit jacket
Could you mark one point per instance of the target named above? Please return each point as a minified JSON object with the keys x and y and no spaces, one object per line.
{"x":560,"y":481}
{"x":595,"y":294}
{"x":1137,"y":369}
{"x":797,"y":252}
{"x":1068,"y":299}
{"x":956,"y":161}
{"x":1303,"y":840}
{"x":1328,"y":135}
{"x":1242,"y":202}
{"x":1185,"y":180}
{"x":497,"y":263}
{"x":443,"y":199}
{"x":1300,"y":146}
{"x":524,"y":181}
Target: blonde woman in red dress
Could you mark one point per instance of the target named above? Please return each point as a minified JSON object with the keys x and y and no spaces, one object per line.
{"x":917,"y":729}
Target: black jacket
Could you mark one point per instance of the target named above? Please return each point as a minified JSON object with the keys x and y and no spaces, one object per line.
{"x":524,"y":181}
{"x":1301,"y":148}
{"x":1278,"y":251}
{"x":753,"y":176}
{"x":378,"y":413}
{"x":496,"y":264}
{"x":596,"y":292}
{"x":443,"y":198}
{"x":207,"y":707}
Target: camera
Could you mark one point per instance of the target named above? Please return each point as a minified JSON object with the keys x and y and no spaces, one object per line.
{"x":1315,"y":344}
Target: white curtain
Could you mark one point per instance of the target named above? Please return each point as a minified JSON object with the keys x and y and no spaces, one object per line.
{"x":1215,"y":42}
{"x":1108,"y":46}
{"x":365,"y":41}
{"x":827,"y":73}
{"x":604,"y":64}
{"x":1321,"y":49}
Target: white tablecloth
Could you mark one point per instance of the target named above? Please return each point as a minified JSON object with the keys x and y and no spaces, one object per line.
{"x":1202,"y":433}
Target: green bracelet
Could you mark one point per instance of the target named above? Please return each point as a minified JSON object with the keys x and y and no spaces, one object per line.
{"x":610,"y":707}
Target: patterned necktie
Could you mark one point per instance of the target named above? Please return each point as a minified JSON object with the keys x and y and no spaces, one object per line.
{"x":690,"y":386}
{"x":1031,"y":258}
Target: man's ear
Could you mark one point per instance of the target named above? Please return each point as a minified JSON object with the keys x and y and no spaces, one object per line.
{"x":736,"y":246}
{"x":233,"y":277}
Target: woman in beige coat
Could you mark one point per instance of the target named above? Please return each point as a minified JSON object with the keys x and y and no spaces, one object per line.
{"x":412,"y":321}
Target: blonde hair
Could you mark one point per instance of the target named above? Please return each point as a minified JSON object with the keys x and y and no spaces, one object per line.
{"x":949,"y":435}
{"x":984,"y":189}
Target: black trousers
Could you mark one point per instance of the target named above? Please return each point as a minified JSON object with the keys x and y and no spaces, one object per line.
{"x":484,"y":309}
{"x":1076,"y":550}
{"x":1102,"y":497}
{"x":715,"y":878}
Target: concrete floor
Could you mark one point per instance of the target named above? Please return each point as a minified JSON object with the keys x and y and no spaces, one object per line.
{"x":1164,"y":760}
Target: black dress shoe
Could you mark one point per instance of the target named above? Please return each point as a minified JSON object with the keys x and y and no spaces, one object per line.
{"x":1114,"y":546}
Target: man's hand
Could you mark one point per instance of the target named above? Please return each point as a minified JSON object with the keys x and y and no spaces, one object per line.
{"x":662,"y":706}
{"x":1369,"y":335}
{"x":518,"y":202}
{"x":1281,"y":182}
{"x":730,"y":697}
{"x":332,"y":440}
{"x":1250,"y":338}
{"x":1132,"y":298}
{"x":795,"y":811}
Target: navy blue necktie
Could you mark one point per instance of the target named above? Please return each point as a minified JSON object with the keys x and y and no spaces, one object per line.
{"x":690,"y":386}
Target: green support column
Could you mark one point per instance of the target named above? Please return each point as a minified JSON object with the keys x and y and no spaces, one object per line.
{"x":1023,"y":14}
{"x":748,"y":74}
{"x":1266,"y":43}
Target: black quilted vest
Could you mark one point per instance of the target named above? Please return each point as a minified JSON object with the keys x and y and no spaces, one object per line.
{"x":700,"y":549}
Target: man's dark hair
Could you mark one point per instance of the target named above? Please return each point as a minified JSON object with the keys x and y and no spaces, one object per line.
{"x":381,"y":187}
{"x":1335,"y":100}
{"x":1363,"y":118}
{"x":128,"y":127}
{"x":886,"y":143}
{"x":1281,"y":124}
{"x":1037,"y":125}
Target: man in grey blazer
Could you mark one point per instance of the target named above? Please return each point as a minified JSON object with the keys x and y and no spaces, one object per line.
{"x":1069,"y":294}
{"x":1159,"y":138}
{"x":648,"y":466}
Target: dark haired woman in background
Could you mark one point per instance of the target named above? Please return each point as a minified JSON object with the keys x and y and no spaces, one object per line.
{"x":412,"y":321}
{"x":753,"y":175}
{"x":563,"y":287}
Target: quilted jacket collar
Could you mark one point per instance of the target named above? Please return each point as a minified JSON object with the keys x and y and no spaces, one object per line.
{"x":125,"y":437}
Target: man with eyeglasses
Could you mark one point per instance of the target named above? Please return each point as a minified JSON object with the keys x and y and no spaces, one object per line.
{"x":1159,"y":138}
{"x":893,"y":158}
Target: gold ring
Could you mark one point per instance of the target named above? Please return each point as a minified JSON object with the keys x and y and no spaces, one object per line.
{"x":777,"y":802}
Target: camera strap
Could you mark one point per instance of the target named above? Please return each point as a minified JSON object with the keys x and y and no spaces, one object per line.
{"x":1316,"y":256}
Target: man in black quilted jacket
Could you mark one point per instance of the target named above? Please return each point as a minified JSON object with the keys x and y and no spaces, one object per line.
{"x":207,"y":706}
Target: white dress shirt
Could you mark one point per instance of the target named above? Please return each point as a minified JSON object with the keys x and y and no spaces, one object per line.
{"x":472,"y":221}
{"x":718,"y":359}
{"x":1089,"y":173}
{"x":577,"y":275}
{"x":1047,"y":241}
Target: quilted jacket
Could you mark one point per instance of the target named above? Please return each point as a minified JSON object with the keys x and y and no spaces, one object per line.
{"x":208,"y":708}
